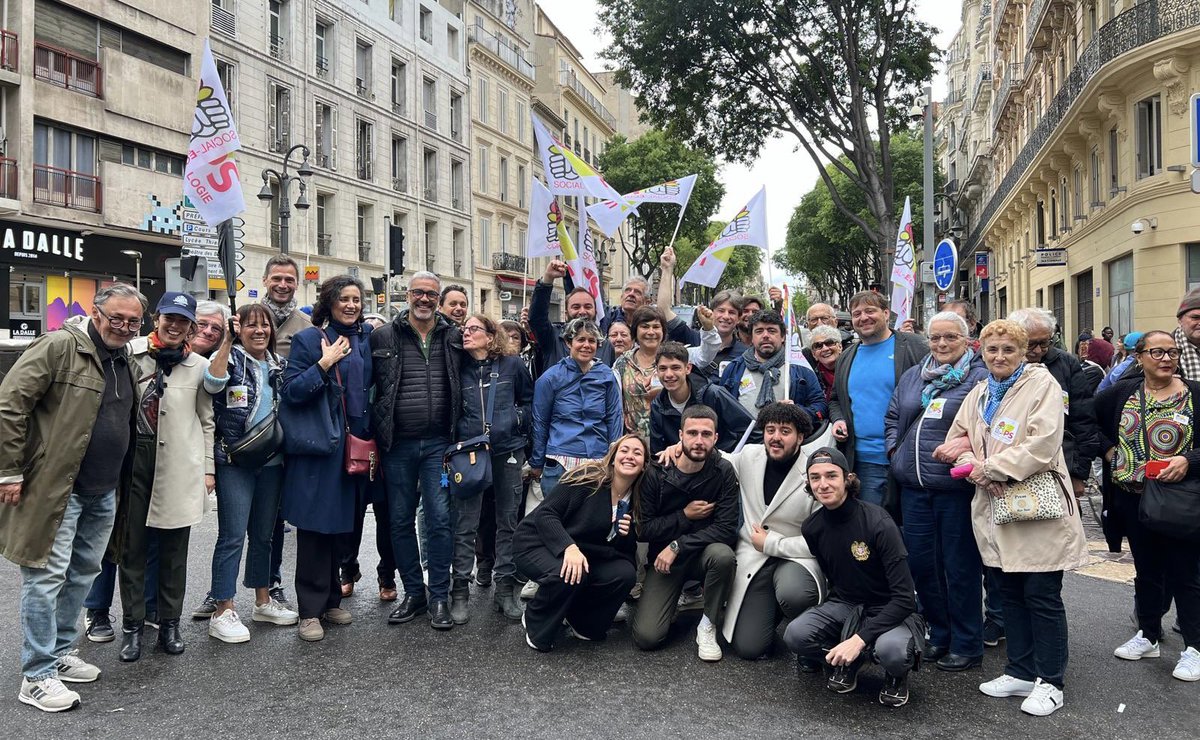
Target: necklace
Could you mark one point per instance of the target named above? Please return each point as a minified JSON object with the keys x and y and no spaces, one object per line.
{"x":1152,"y":390}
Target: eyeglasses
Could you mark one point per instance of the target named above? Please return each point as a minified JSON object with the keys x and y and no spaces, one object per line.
{"x":822,"y":345}
{"x":474,"y":329}
{"x":1042,"y":343}
{"x":938,"y":338}
{"x":131,"y":324}
{"x":417,"y":293}
{"x":1158,"y":353}
{"x":822,"y":319}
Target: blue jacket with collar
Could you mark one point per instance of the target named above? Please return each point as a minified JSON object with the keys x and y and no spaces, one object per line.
{"x":805,"y":390}
{"x":575,"y":414}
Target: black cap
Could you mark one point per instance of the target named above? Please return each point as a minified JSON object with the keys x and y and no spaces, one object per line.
{"x":828,"y":455}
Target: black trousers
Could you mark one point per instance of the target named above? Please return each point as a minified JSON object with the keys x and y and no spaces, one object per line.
{"x":485,"y":536}
{"x":375,"y":495}
{"x":317,"y":586}
{"x":172,"y":546}
{"x":780,"y":587}
{"x":589,"y":606}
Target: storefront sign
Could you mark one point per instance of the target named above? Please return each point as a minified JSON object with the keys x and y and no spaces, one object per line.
{"x":312,"y":273}
{"x":981,"y":265}
{"x":24,"y":328}
{"x":32,"y":243}
{"x":1050,"y":257}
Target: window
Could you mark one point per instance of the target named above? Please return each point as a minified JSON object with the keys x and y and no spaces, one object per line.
{"x":482,"y":113}
{"x":1113,"y":162}
{"x":324,"y":48}
{"x":485,"y":233}
{"x":1078,"y":193}
{"x":1058,"y":303}
{"x":1120,"y":295}
{"x":363,"y":231}
{"x":521,"y":177}
{"x":484,"y":155}
{"x":1064,"y":224}
{"x":503,"y":238}
{"x":1094,"y":172}
{"x":1084,"y":318}
{"x":136,"y":156}
{"x":458,"y":244}
{"x":521,"y":116}
{"x":64,"y":168}
{"x":429,"y":99}
{"x":326,"y":135}
{"x":1053,"y":216}
{"x":502,"y":109}
{"x":399,"y":164}
{"x":503,"y":178}
{"x":456,"y":116}
{"x":426,"y":25}
{"x":362,"y":69}
{"x":324,"y":225}
{"x":1149,"y":137}
{"x":456,"y":184}
{"x":228,"y":74}
{"x":279,"y":117}
{"x":1040,"y":226}
{"x":399,"y":87}
{"x":431,"y":246}
{"x":1193,"y":265}
{"x":429,"y":175}
{"x":277,"y":29}
{"x":452,"y":42}
{"x":364,"y":149}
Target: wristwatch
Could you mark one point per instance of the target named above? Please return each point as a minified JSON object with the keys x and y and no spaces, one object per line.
{"x":674,"y":547}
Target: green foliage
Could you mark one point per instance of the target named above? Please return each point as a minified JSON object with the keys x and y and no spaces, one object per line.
{"x":833,"y":252}
{"x":649,"y":160}
{"x":834,"y":75}
{"x":742,"y":274}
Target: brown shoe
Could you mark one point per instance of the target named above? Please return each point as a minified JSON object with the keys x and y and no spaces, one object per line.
{"x":387,"y":591}
{"x":338,"y":615}
{"x":348,"y":582}
{"x":311,"y":630}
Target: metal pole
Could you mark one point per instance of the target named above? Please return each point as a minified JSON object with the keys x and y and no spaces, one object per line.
{"x":285,"y":211}
{"x":138,"y":271}
{"x":927,"y":186}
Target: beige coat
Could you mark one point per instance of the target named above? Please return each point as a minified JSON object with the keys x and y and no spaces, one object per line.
{"x":783,"y":518}
{"x":297,"y":321}
{"x":1025,"y":438}
{"x":185,"y":440}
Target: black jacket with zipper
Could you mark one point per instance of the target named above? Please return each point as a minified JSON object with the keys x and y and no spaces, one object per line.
{"x":665,"y":493}
{"x":513,"y":413}
{"x":415,"y":397}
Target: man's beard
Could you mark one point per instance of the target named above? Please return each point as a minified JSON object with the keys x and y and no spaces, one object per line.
{"x":687,"y":451}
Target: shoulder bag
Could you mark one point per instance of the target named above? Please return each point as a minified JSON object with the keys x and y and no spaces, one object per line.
{"x":1170,"y":509}
{"x":362,"y":455}
{"x":261,"y":442}
{"x":1037,"y":498}
{"x":467,"y":465}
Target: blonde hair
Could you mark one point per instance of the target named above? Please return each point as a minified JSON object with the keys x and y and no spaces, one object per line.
{"x":600,"y":473}
{"x":1006,"y":328}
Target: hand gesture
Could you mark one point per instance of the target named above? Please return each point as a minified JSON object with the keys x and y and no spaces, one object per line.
{"x":232,"y":330}
{"x":697,"y":510}
{"x":758,"y":536}
{"x":555,"y":270}
{"x":840,"y":431}
{"x":908,"y":326}
{"x":624,"y":524}
{"x":666,"y":262}
{"x":706,"y":317}
{"x":667,"y":456}
{"x":574,"y":565}
{"x":847,"y":652}
{"x":775,"y":294}
{"x":10,"y":493}
{"x":332,"y":354}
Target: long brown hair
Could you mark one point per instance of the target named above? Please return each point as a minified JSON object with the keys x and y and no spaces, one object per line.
{"x":498,"y":342}
{"x":600,"y":474}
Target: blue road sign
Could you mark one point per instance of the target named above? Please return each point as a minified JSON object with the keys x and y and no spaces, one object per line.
{"x":945,"y":264}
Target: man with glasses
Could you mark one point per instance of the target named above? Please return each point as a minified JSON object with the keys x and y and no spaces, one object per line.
{"x":66,"y":420}
{"x":418,"y":397}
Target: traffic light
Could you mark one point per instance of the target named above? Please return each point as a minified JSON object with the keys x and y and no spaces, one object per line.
{"x":396,"y":249}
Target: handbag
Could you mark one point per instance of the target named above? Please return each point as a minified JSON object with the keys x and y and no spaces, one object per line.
{"x":260,"y":443}
{"x":362,"y":455}
{"x":467,"y":465}
{"x":1037,"y":498}
{"x":1170,"y":509}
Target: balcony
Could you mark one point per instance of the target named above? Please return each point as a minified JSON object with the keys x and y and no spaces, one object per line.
{"x":322,"y":67}
{"x":224,"y":22}
{"x":325,"y":245}
{"x":278,"y":48}
{"x":8,"y":50}
{"x":364,"y":251}
{"x":983,"y":90}
{"x":1014,"y":75}
{"x":61,"y":67}
{"x":58,"y":187}
{"x":362,"y":88}
{"x":400,"y":184}
{"x":431,"y":120}
{"x":510,"y":56}
{"x":9,"y":179}
{"x":1139,"y":26}
{"x":1039,"y":24}
{"x":568,"y":79}
{"x":985,"y":18}
{"x":508,"y":263}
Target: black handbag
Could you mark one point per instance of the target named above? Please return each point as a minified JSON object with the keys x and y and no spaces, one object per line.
{"x":467,"y":465}
{"x":1170,"y":509}
{"x":260,"y":443}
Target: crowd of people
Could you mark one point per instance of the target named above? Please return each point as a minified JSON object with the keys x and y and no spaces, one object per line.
{"x":903,"y":497}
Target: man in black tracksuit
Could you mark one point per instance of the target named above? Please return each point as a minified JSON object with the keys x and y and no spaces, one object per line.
{"x":689,"y":517}
{"x":683,"y":388}
{"x":415,"y":368}
{"x":872,"y":609}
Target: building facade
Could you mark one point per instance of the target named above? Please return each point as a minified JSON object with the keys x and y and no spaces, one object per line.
{"x":1077,"y":186}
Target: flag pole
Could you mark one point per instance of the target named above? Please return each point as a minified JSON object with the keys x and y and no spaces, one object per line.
{"x":525,"y":281}
{"x":678,"y":223}
{"x":787,"y":342}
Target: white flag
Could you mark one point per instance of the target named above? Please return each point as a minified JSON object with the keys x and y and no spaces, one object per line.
{"x":584,"y":272}
{"x":210,"y":179}
{"x":610,"y":214}
{"x":748,"y":228}
{"x":904,"y":276}
{"x":566,"y":173}
{"x":795,"y":348}
{"x":547,"y":228}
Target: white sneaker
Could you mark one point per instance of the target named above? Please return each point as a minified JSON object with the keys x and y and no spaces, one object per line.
{"x":72,"y":668}
{"x":1044,"y":700}
{"x":275,"y":613}
{"x":1006,"y":685}
{"x":1137,"y":648}
{"x":228,"y":627}
{"x":529,"y":590}
{"x":1188,"y":667}
{"x":706,"y":639}
{"x":622,"y":614}
{"x":48,"y":695}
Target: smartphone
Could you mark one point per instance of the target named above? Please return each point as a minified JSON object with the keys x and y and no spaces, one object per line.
{"x":1155,"y":467}
{"x":962,"y":471}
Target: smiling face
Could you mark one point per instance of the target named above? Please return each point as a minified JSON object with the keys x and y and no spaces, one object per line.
{"x":767,"y":340}
{"x":633,"y":296}
{"x":348,"y":306}
{"x":820,"y":314}
{"x":581,"y":305}
{"x":630,"y":459}
{"x":255,"y":333}
{"x":583,"y":348}
{"x":454,"y":306}
{"x":210,"y":330}
{"x":726,"y":317}
{"x":827,"y":351}
{"x":423,"y":296}
{"x":870,"y":322}
{"x":1002,"y":356}
{"x":121,"y":309}
{"x":672,"y":373}
{"x":618,"y":337}
{"x":828,"y":484}
{"x":281,"y":283}
{"x":173,"y":330}
{"x":1039,"y":344}
{"x":749,"y":308}
{"x":781,"y":440}
{"x":947,"y":343}
{"x":698,"y":437}
{"x":475,"y":335}
{"x":649,"y":335}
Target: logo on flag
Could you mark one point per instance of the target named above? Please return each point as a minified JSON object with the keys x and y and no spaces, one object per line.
{"x":748,"y":227}
{"x":566,"y":172}
{"x":210,"y":179}
{"x":904,"y":276}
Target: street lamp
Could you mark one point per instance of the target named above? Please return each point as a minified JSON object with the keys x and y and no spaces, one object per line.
{"x":136,"y":256}
{"x":285,"y":179}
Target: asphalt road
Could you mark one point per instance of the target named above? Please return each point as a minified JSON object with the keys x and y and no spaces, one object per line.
{"x":481,"y":681}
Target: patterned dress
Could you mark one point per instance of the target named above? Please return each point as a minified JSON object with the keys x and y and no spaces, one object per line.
{"x":636,"y":383}
{"x":1166,"y":424}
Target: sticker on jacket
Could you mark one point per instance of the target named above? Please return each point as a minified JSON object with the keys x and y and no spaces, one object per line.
{"x":746,"y":385}
{"x":860,"y":551}
{"x":237,"y":397}
{"x":935,"y":409}
{"x":1005,"y":430}
{"x":1066,"y":403}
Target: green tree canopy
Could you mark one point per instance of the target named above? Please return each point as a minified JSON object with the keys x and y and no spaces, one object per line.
{"x":649,"y":160}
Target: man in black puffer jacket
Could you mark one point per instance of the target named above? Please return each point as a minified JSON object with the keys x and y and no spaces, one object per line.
{"x":417,"y":401}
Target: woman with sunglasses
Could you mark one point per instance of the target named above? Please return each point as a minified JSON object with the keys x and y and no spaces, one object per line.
{"x":1146,"y":426}
{"x":825,"y":342}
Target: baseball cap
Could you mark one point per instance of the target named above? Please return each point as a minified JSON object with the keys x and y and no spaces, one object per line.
{"x":1131,"y":339}
{"x":180,"y":304}
{"x":828,"y":455}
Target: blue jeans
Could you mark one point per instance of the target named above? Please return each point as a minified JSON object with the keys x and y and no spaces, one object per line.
{"x":874,"y":480}
{"x":993,"y":609}
{"x":101,"y":595}
{"x":1035,"y":623}
{"x":413,"y":472}
{"x":247,"y":505}
{"x":551,"y":473}
{"x":946,"y":567}
{"x":51,"y":597}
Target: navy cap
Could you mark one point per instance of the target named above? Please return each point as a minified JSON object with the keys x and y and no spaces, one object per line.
{"x":828,"y":455}
{"x":180,"y":304}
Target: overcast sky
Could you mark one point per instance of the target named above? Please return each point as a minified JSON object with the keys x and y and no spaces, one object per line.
{"x":787,"y":173}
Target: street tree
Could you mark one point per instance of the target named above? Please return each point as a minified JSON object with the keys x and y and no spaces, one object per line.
{"x":833,"y":75}
{"x":651,"y":159}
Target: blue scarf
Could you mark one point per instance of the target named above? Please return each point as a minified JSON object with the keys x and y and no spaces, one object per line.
{"x":351,"y":367}
{"x":940,"y":378}
{"x":996,"y":391}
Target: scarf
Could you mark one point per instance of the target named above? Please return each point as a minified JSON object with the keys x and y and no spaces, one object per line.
{"x":770,"y":372}
{"x":280,"y":312}
{"x":996,"y":391}
{"x":1189,"y":360}
{"x":941,"y":378}
{"x":351,"y":367}
{"x":166,"y":357}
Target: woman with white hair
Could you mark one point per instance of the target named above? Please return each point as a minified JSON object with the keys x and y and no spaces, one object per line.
{"x":825,"y":343}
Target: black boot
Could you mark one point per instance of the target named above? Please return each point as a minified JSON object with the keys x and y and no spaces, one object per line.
{"x":169,"y":638}
{"x":459,"y":596}
{"x":131,"y":641}
{"x":506,"y":599}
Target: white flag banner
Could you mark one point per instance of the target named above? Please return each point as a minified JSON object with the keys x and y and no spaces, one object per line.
{"x":795,"y":346}
{"x":748,"y":228}
{"x":904,"y":276}
{"x":584,"y":272}
{"x":610,"y":214}
{"x":547,"y":228}
{"x":566,"y":173}
{"x":210,"y":179}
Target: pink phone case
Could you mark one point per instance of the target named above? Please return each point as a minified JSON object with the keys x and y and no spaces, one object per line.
{"x":962,"y":471}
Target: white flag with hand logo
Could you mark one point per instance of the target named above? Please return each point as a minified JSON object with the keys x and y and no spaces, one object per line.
{"x":210,"y":179}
